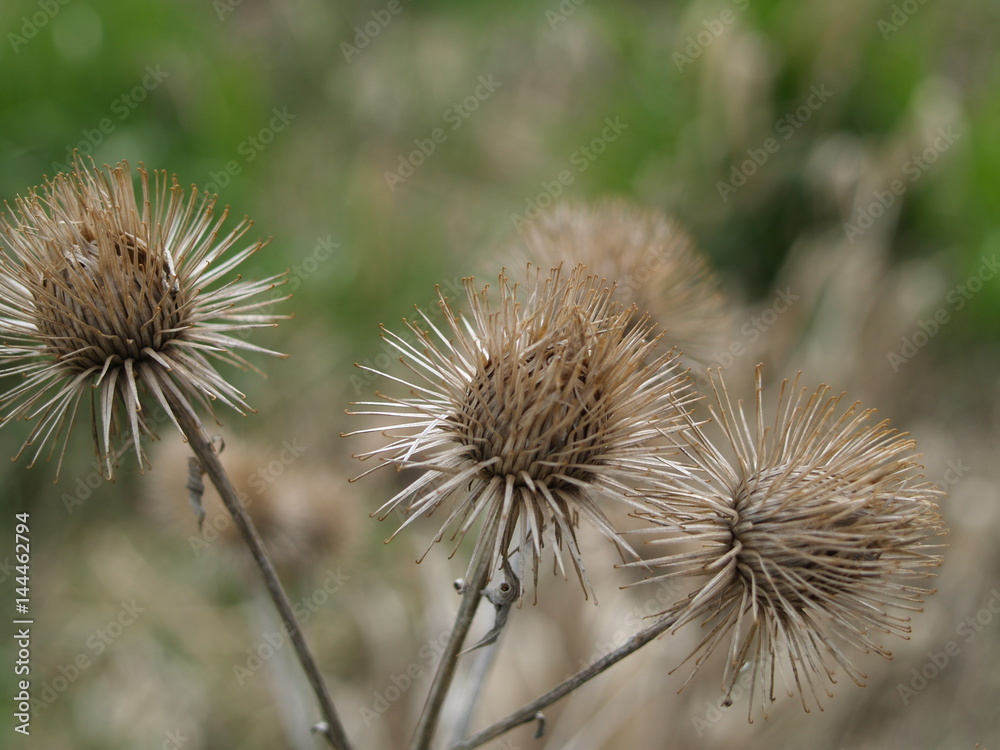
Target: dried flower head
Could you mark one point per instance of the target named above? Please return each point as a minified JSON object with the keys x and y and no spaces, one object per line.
{"x":302,"y":516}
{"x":811,"y":535}
{"x":652,"y":260}
{"x":105,"y":295}
{"x":530,"y":415}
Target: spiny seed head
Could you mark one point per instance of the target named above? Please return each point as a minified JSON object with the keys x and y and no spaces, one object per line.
{"x":530,"y":414}
{"x":652,"y":260}
{"x":107,"y":295}
{"x":810,"y":533}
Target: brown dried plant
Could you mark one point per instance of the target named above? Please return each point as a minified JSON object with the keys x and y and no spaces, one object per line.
{"x":812,"y":535}
{"x":105,"y":294}
{"x":652,"y":260}
{"x":812,"y":529}
{"x":547,"y":403}
{"x":530,"y":415}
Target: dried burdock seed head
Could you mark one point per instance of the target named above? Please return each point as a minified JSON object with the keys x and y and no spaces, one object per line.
{"x":303,"y":516}
{"x":812,"y":534}
{"x":107,"y":295}
{"x":529,"y":415}
{"x":652,"y":261}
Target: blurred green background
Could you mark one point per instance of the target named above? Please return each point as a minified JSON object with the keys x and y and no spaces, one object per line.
{"x":389,"y":147}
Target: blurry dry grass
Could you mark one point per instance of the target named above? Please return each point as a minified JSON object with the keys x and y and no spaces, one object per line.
{"x":173,"y":668}
{"x":197,"y":624}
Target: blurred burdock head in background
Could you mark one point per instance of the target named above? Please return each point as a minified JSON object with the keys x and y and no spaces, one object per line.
{"x":812,"y":533}
{"x":652,"y":261}
{"x":530,"y":413}
{"x":107,"y":296}
{"x":304,"y":513}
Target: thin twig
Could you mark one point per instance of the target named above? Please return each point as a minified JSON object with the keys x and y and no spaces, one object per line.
{"x":477,"y":680}
{"x":503,"y":597}
{"x":285,"y":681}
{"x":191,"y":426}
{"x":529,"y":712}
{"x":196,"y":488}
{"x":424,"y":733}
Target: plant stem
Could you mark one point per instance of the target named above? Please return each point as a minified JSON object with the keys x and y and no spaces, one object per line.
{"x":424,"y":732}
{"x":503,"y":598}
{"x":528,"y":712}
{"x":200,"y":443}
{"x":480,"y":671}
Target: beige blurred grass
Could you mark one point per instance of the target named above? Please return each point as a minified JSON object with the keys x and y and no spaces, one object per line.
{"x":173,"y":668}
